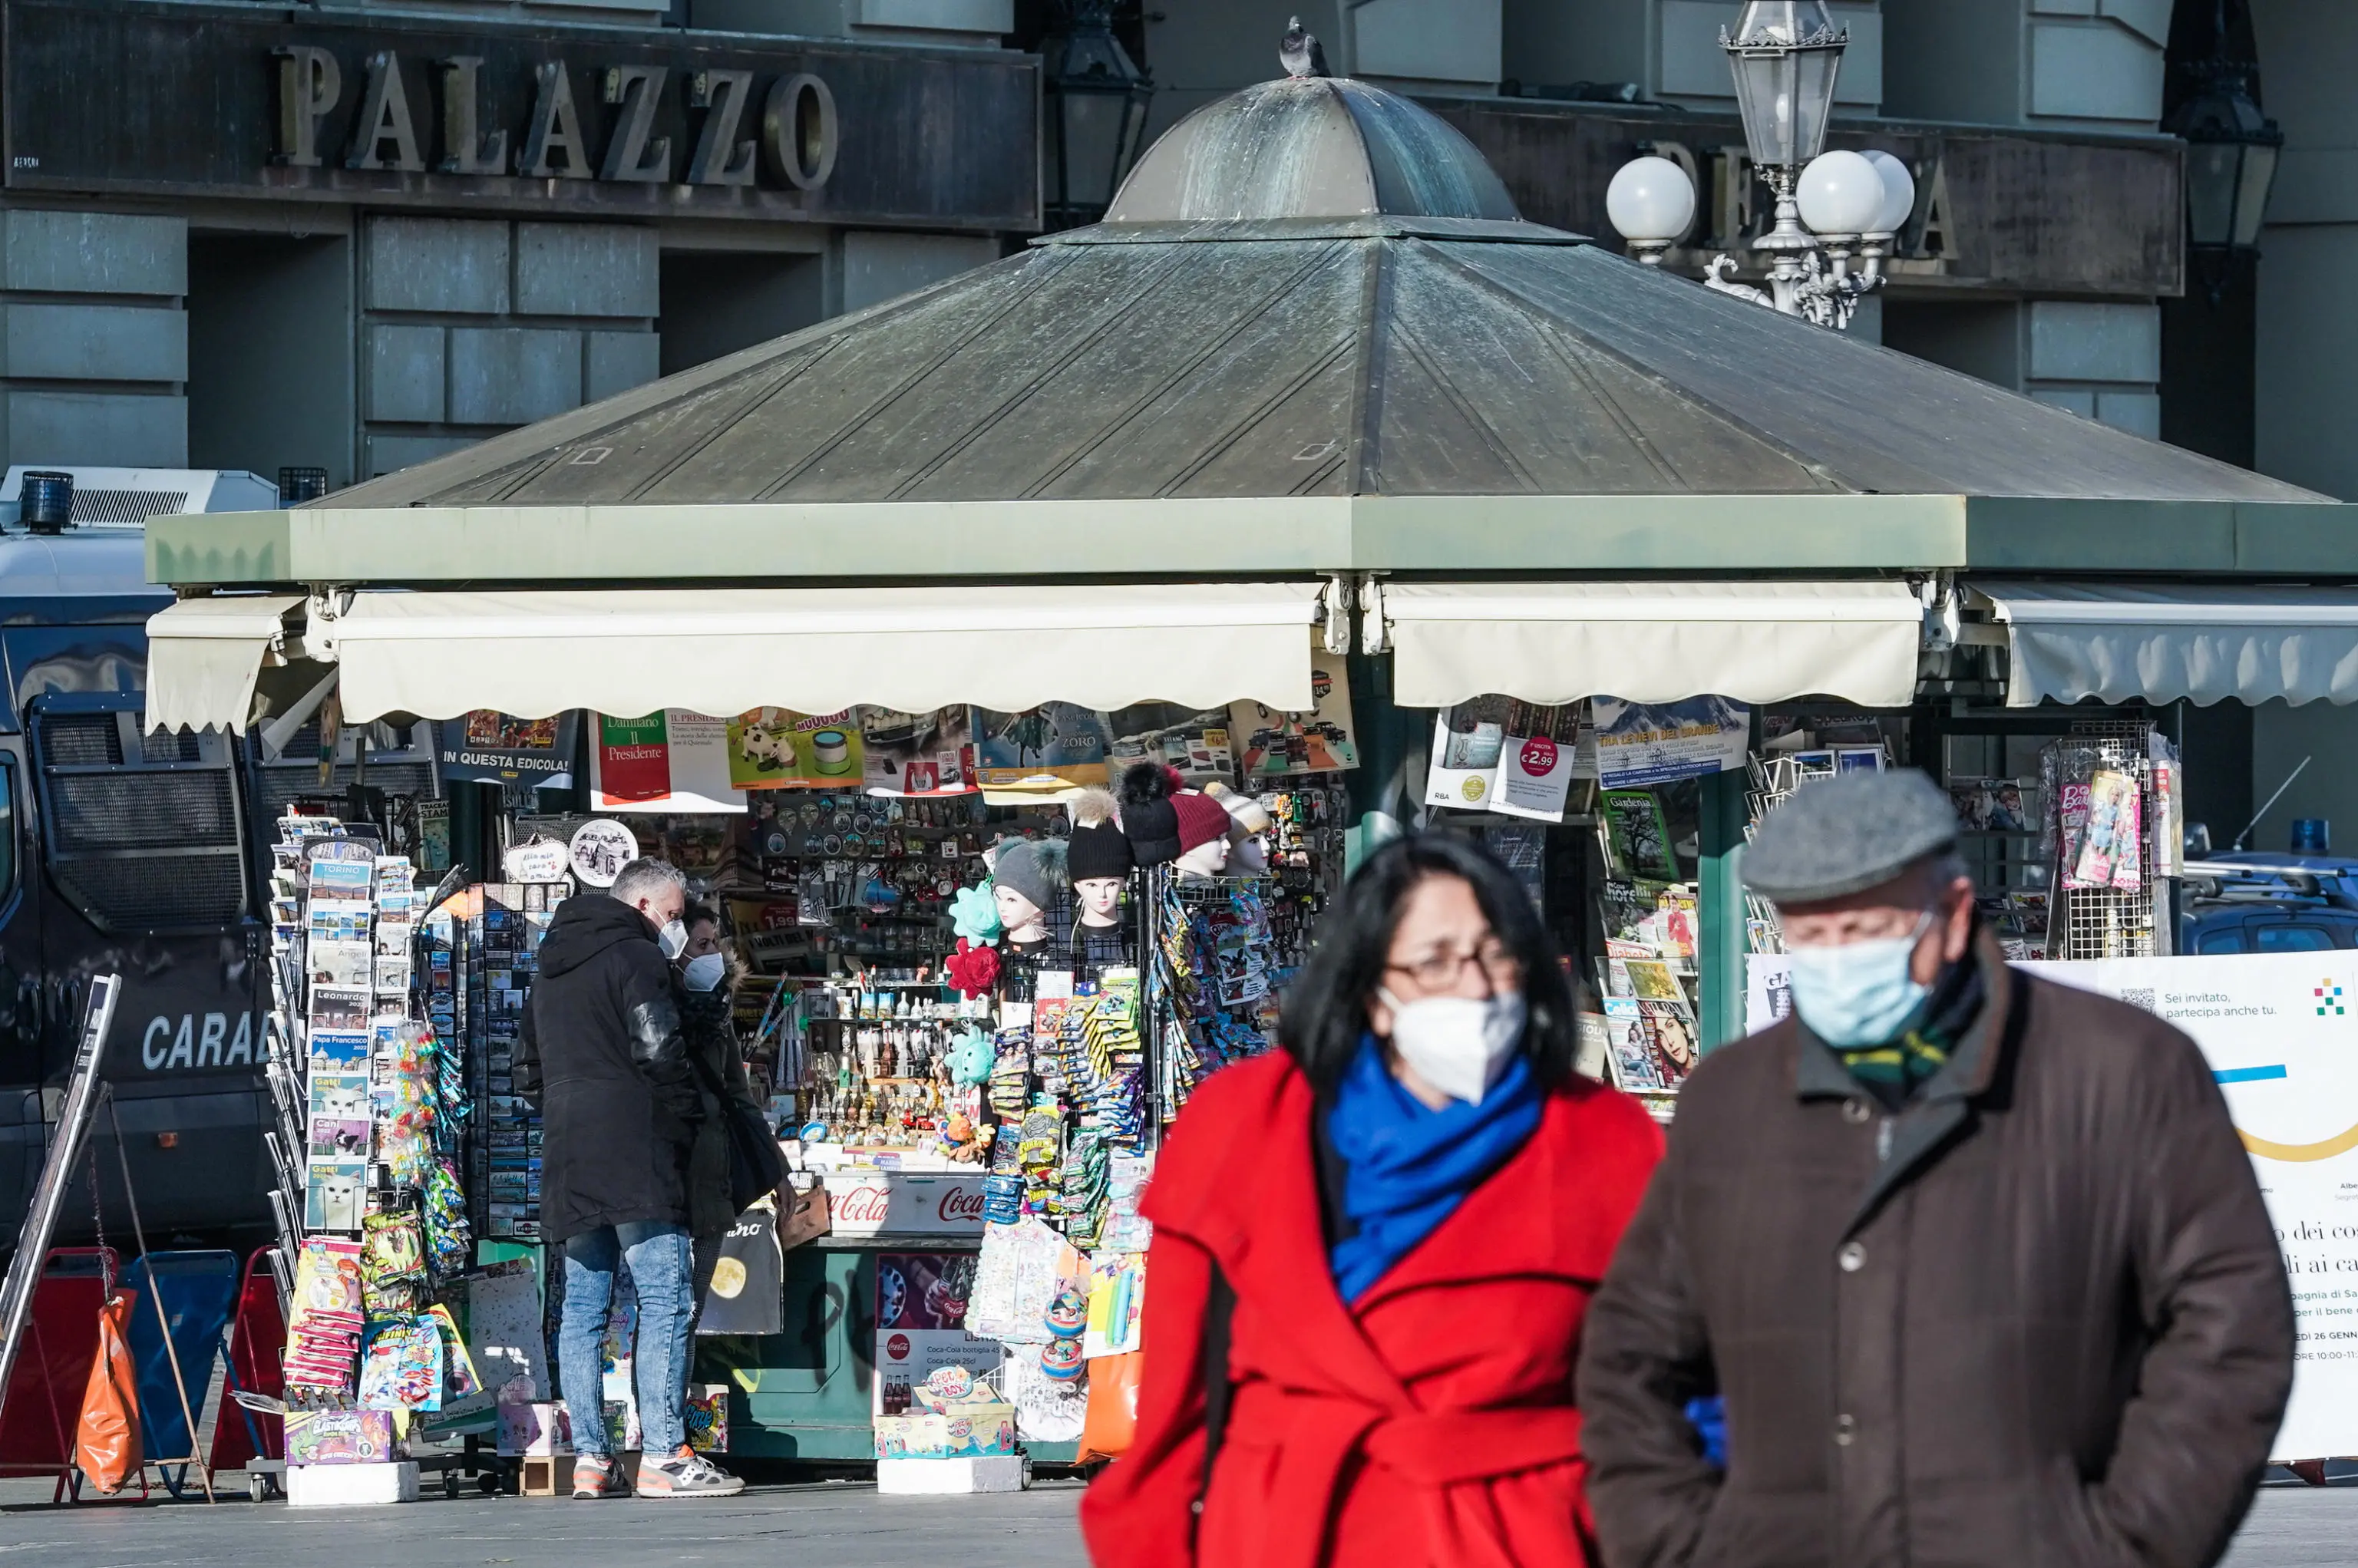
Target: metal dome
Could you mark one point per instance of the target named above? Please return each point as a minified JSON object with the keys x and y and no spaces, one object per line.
{"x":1311,"y":147}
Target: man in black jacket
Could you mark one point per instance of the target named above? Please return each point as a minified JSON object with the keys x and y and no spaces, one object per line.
{"x":603,"y":1053}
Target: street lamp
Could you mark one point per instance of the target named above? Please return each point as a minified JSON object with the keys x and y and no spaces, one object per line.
{"x":1093,"y":114}
{"x":1831,"y":208}
{"x":2231,"y":155}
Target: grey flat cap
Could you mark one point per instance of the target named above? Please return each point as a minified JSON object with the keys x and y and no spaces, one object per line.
{"x":1848,"y":834}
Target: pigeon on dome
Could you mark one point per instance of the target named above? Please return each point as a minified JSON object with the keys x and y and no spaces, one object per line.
{"x":1299,"y":52}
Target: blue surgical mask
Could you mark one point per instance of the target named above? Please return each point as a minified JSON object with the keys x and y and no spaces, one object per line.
{"x":1861,"y":993}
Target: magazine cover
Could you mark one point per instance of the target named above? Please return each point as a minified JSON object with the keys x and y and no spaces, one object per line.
{"x":1636,"y":1065}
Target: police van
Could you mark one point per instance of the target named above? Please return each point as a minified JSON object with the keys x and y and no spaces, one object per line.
{"x":143,"y":855}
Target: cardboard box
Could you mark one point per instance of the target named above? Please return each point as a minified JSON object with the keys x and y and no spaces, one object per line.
{"x":536,"y":1429}
{"x":339,"y":1437}
{"x":351,"y":1486}
{"x":973,"y":1431}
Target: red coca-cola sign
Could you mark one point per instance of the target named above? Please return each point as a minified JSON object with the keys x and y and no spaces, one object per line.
{"x":870,"y":1203}
{"x":1539,"y":757}
{"x":897,"y":1348}
{"x":960,"y":1204}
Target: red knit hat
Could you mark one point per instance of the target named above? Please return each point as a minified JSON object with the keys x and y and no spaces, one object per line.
{"x":1201,"y":820}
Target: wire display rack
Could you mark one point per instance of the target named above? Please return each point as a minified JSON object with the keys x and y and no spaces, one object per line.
{"x":2113,"y":922}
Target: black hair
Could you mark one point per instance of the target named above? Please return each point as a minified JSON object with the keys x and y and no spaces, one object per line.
{"x":1325,"y":1012}
{"x":696,"y":914}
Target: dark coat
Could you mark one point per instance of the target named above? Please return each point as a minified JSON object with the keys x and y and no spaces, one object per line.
{"x":2051,"y":1327}
{"x":734,"y":1151}
{"x":603,"y":1051}
{"x":1429,"y":1423}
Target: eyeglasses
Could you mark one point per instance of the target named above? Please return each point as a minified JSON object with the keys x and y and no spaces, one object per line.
{"x":1440,"y":971}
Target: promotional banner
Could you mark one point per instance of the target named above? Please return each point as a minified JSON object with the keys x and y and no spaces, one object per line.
{"x":2277,"y":1030}
{"x":917,"y":754}
{"x":671,"y":762}
{"x":1055,"y":746}
{"x":1195,"y":742}
{"x":1468,"y":741}
{"x":1645,"y":743}
{"x":484,"y":747}
{"x":1272,"y":742}
{"x":1536,"y":760}
{"x":774,"y":747}
{"x":921,"y":1301}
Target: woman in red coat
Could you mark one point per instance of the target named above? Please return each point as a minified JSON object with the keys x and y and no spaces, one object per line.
{"x":1392,"y":1227}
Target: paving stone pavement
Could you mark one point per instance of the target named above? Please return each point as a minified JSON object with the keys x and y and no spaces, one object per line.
{"x":810,"y":1526}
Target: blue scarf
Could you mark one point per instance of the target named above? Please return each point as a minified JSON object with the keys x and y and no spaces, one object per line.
{"x":1406,"y":1166}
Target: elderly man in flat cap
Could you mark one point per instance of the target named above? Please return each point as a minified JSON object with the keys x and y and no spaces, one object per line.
{"x":1977,"y":1262}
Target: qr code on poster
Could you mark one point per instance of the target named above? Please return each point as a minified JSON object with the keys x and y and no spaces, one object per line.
{"x":2142,"y":997}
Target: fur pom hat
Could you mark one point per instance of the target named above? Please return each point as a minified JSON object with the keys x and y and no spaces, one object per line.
{"x":1147,"y":816}
{"x":1096,"y":848}
{"x":1032,"y":867}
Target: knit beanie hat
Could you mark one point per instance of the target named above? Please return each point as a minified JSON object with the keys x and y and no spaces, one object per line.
{"x":1096,"y":848}
{"x":1032,"y":867}
{"x":1147,"y":816}
{"x":1201,"y":820}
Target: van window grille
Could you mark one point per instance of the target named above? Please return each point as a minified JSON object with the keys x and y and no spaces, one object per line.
{"x":141,"y":831}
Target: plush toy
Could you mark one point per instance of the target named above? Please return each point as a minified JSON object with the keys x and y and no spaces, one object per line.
{"x":974,"y":915}
{"x":970,"y":1058}
{"x":973,"y":970}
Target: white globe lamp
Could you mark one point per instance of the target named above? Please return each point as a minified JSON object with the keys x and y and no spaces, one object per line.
{"x":1651,"y":204}
{"x":1842,"y":193}
{"x":1899,"y":191}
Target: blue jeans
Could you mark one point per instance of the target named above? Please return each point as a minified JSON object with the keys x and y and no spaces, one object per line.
{"x":661,"y":1262}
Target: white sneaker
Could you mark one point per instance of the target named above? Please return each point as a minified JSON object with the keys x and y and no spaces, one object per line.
{"x":684,"y":1472}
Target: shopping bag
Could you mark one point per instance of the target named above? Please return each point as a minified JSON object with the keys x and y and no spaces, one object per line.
{"x":749,"y":1281}
{"x":1112,"y":1420}
{"x":106,"y":1439}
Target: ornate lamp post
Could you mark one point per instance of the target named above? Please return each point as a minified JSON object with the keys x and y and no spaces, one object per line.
{"x":2231,"y":158}
{"x":1092,"y":114}
{"x":1833,"y":209}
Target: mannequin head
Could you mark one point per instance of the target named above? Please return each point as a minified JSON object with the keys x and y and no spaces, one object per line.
{"x":1208,"y":858}
{"x":1100,"y":899}
{"x":1024,"y":920}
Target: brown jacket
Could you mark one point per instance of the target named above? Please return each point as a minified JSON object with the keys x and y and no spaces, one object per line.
{"x":2049,"y":1327}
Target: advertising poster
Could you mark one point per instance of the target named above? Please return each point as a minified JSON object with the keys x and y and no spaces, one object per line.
{"x":2276,"y":1029}
{"x":1467,"y":741}
{"x":1535,"y":761}
{"x":1051,"y":747}
{"x":921,"y":1301}
{"x":1197,"y":743}
{"x":918,"y":753}
{"x":1767,"y":989}
{"x":484,"y":747}
{"x":775,"y":748}
{"x":671,"y":761}
{"x":1645,"y":743}
{"x":1272,"y":742}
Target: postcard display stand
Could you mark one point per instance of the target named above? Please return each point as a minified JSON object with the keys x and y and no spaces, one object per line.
{"x":370,"y":1204}
{"x":2113,"y":835}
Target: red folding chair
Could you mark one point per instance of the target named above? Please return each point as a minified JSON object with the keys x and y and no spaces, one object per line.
{"x":44,"y":1403}
{"x":258,"y":1337}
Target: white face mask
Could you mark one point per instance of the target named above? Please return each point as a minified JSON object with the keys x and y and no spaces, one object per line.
{"x":1459,"y":1044}
{"x":705,"y":971}
{"x":672,"y":939}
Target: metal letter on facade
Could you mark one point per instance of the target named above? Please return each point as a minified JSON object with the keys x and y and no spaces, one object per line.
{"x":385,"y":116}
{"x":798,"y":131}
{"x":309,"y":83}
{"x":465,"y":149}
{"x":721,"y":158}
{"x":555,"y":128}
{"x":628,"y":158}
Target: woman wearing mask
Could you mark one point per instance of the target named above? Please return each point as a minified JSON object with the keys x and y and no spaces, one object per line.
{"x":1373,"y":1252}
{"x":727,"y":1162}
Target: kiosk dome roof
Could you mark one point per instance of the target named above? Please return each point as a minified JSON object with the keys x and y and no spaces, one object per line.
{"x":1311,"y":147}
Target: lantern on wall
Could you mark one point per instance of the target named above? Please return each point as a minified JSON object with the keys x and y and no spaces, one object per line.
{"x":1092,"y":114}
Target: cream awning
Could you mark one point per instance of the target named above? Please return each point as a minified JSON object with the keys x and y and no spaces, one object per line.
{"x":2131,"y":643}
{"x":205,"y":654}
{"x":724,"y":651}
{"x":1653,"y":642}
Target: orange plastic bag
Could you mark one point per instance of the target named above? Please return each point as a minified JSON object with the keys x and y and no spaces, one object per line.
{"x":106,"y":1439}
{"x":1110,"y":1419}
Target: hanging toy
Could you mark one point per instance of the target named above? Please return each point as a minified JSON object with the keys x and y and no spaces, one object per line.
{"x":1067,"y":1317}
{"x":973,"y":970}
{"x":974,"y":915}
{"x":970,"y":1059}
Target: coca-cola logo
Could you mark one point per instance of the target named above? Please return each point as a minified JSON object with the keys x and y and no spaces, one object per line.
{"x":865,"y":1204}
{"x":1539,"y":757}
{"x":960,"y":1203}
{"x":897,"y":1348}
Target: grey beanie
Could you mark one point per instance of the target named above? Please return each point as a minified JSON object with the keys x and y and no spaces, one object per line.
{"x":1032,"y":867}
{"x":1848,"y":834}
